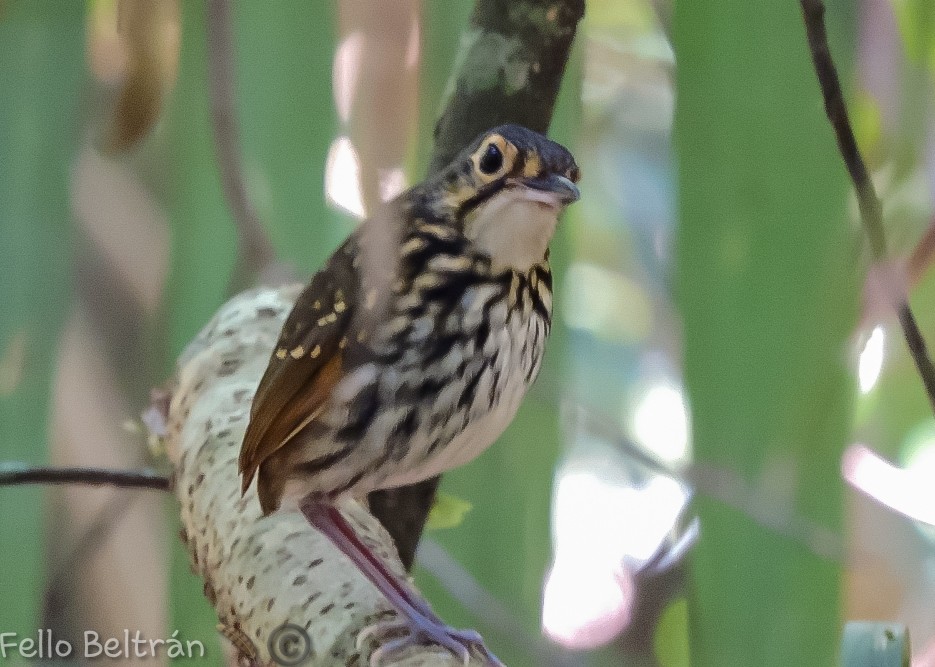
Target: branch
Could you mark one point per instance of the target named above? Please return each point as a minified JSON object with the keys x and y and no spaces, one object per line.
{"x":871,"y":211}
{"x":255,"y":251}
{"x":922,"y":256}
{"x":13,"y":473}
{"x":59,"y":595}
{"x":262,"y":573}
{"x":512,"y":58}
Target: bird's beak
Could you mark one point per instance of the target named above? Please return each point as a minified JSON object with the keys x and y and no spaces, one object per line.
{"x":563,"y":189}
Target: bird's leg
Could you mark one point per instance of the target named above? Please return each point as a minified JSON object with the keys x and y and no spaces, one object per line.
{"x":327,"y":519}
{"x":422,"y":623}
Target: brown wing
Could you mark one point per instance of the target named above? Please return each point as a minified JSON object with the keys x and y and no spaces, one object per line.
{"x":305,"y":365}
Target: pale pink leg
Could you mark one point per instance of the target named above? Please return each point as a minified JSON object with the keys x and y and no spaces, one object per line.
{"x":422,"y":623}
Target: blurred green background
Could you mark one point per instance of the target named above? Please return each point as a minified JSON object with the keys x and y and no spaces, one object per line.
{"x":715,"y":318}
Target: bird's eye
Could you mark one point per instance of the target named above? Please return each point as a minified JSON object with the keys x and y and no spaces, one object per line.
{"x":492,"y":160}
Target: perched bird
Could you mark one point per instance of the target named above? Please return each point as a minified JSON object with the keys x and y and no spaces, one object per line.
{"x":409,"y":353}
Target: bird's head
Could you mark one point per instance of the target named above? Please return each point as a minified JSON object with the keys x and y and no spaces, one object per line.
{"x":506,"y":191}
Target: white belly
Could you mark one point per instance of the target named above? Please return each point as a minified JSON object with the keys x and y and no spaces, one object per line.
{"x":464,"y":447}
{"x":518,"y":364}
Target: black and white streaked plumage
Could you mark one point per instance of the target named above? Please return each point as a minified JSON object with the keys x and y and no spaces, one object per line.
{"x":410,"y":352}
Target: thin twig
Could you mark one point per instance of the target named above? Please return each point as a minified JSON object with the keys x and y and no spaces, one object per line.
{"x":712,"y":481}
{"x":255,"y":251}
{"x":871,"y":211}
{"x":58,"y":589}
{"x":922,"y":256}
{"x":13,"y":473}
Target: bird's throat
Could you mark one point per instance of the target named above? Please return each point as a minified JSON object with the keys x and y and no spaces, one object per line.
{"x":514,"y":228}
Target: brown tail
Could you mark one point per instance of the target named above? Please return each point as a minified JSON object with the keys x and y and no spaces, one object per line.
{"x":269,"y":488}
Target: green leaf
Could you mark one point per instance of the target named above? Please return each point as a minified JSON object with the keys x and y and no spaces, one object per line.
{"x":916,"y":19}
{"x":670,"y":640}
{"x":40,"y":73}
{"x":767,"y":288}
{"x":447,"y":511}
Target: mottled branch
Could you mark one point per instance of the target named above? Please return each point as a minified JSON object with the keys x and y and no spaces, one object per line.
{"x":264,"y":574}
{"x":871,"y":211}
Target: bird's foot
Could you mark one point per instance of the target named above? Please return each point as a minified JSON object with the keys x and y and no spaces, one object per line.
{"x":423,"y":630}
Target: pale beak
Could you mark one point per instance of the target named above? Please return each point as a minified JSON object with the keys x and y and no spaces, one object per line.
{"x":562,"y":188}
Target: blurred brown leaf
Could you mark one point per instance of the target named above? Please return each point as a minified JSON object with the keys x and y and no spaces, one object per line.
{"x":135,"y":43}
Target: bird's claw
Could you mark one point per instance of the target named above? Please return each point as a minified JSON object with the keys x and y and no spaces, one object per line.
{"x":381,"y":629}
{"x":425,"y":631}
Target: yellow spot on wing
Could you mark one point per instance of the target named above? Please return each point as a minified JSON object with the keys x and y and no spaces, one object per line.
{"x":315,"y":351}
{"x":414,"y":245}
{"x":339,"y":307}
{"x":281,"y":353}
{"x":297,"y":352}
{"x":451,"y":263}
{"x":328,"y":319}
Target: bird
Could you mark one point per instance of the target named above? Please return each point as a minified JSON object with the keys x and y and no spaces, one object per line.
{"x":410,"y":351}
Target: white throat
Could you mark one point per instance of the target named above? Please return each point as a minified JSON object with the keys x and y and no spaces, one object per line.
{"x":514,"y":227}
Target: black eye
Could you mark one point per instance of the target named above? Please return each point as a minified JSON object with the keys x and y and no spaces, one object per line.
{"x":492,"y":160}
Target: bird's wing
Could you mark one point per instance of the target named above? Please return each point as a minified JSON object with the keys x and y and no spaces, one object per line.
{"x":306,"y":363}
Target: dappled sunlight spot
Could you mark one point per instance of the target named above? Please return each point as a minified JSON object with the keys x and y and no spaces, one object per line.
{"x":927,"y":657}
{"x":870,"y":362}
{"x":585,"y":607}
{"x":908,"y":490}
{"x":414,"y":44}
{"x":346,"y":73}
{"x":660,"y":422}
{"x":604,"y":531}
{"x":342,"y":178}
{"x":606,"y":304}
{"x":919,"y":461}
{"x":392,"y":182}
